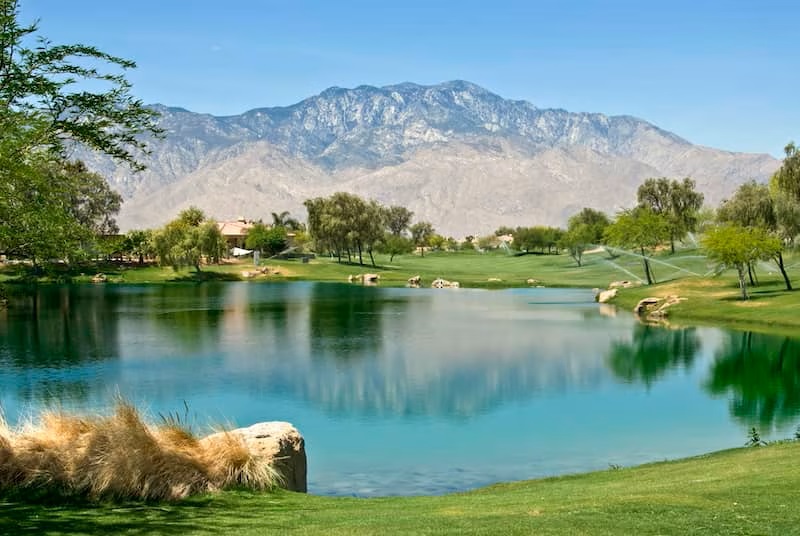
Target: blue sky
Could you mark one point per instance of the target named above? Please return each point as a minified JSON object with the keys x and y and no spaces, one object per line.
{"x":719,"y":73}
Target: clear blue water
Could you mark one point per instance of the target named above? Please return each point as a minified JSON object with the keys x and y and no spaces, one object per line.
{"x":404,"y":391}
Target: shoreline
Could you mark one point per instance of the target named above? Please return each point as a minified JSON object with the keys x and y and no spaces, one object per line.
{"x":711,"y":301}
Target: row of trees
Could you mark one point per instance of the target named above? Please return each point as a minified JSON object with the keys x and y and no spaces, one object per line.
{"x":348,"y":226}
{"x":759,"y":222}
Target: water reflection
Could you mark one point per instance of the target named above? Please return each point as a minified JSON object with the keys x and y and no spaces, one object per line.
{"x":189,"y":314}
{"x":59,"y":326}
{"x":761,"y":374}
{"x":496,"y":385}
{"x":345,"y":323}
{"x":652,"y":352}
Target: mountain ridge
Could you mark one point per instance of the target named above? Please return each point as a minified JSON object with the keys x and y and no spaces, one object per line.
{"x":443,"y":150}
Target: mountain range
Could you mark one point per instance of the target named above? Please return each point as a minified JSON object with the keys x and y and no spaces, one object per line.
{"x":456,"y":154}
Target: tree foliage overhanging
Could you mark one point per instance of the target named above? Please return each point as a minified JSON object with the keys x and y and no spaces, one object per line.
{"x":49,"y":206}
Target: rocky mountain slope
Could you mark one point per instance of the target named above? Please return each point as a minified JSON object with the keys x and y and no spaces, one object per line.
{"x":456,"y":154}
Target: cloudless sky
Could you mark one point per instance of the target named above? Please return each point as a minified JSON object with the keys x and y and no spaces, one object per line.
{"x":719,"y":73}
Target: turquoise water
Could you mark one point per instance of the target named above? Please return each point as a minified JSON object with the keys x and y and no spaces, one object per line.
{"x":404,"y":391}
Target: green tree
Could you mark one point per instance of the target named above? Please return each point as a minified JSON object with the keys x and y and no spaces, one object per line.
{"x":677,"y":201}
{"x":189,"y":238}
{"x":138,"y":243}
{"x":639,"y":229}
{"x":397,"y":219}
{"x":540,"y":237}
{"x":736,"y":247}
{"x":584,"y":230}
{"x":53,"y":209}
{"x":192,"y":216}
{"x":596,"y":220}
{"x":285,"y":220}
{"x":344,"y":223}
{"x":393,"y":244}
{"x":578,"y":238}
{"x":421,"y":233}
{"x":93,"y":203}
{"x":267,"y":240}
{"x":504,"y":230}
{"x":44,"y":89}
{"x":437,"y":241}
{"x":754,"y":206}
{"x":48,"y":104}
{"x":785,"y":190}
{"x":788,"y":176}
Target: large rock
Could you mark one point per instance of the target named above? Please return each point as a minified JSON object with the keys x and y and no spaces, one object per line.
{"x":606,"y":295}
{"x":655,"y":309}
{"x":444,"y":283}
{"x":281,"y":443}
{"x":645,"y":305}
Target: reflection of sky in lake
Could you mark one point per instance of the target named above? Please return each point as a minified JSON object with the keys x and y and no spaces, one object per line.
{"x":396,"y":390}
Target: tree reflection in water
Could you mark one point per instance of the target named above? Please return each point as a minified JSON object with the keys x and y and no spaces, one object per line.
{"x":653,"y":351}
{"x":59,"y":327}
{"x":761,"y":373}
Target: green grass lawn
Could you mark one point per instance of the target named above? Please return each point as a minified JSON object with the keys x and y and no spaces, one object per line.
{"x":716,"y":301}
{"x":742,"y":491}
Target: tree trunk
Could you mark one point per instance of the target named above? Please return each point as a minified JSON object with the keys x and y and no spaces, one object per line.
{"x":360,"y":258}
{"x":672,"y":243}
{"x":750,"y":274}
{"x":646,"y":267}
{"x":371,"y":258}
{"x":742,"y":281}
{"x":781,"y":353}
{"x":779,"y":261}
{"x":422,"y":251}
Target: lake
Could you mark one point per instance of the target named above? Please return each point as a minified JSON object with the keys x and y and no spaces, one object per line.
{"x":403,"y":391}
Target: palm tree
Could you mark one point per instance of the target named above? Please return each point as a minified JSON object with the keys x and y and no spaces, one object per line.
{"x":284,"y":220}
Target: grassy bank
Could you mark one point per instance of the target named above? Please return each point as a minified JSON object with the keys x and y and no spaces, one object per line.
{"x":743,"y":491}
{"x":717,"y":301}
{"x":471,"y":269}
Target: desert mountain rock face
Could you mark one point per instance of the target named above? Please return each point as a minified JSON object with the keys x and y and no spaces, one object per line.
{"x":456,"y":154}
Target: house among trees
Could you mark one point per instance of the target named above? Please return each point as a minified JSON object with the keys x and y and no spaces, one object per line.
{"x":235,"y":232}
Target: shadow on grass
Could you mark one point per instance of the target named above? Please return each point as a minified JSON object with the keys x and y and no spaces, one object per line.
{"x":365,"y":266}
{"x":198,"y":277}
{"x":63,"y":273}
{"x":16,"y":518}
{"x":755,"y":294}
{"x":212,"y":514}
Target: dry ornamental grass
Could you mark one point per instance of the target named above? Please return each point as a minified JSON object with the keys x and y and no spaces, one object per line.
{"x":122,"y":457}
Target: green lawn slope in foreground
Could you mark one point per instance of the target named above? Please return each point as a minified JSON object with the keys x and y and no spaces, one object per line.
{"x":742,"y":491}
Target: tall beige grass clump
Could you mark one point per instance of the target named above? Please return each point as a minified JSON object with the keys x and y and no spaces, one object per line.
{"x":121,"y":457}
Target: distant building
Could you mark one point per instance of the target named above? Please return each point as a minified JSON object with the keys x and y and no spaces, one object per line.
{"x":235,"y":232}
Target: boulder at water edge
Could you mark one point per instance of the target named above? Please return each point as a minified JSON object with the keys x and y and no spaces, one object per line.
{"x":282,"y":445}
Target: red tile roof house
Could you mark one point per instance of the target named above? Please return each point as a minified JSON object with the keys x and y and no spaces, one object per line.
{"x":234,"y":232}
